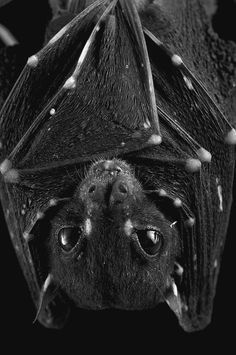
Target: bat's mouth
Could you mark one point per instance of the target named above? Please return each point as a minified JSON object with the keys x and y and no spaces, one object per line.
{"x":113,"y":167}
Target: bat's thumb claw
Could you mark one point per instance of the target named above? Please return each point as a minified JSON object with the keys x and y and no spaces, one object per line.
{"x":173,"y":300}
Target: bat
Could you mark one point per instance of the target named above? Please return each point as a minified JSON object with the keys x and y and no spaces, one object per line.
{"x":117,"y":166}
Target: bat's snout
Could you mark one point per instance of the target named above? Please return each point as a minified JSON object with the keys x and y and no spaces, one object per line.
{"x":110,"y":184}
{"x":110,"y":193}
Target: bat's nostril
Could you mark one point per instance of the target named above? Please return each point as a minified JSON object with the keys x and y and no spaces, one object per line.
{"x":122,"y":188}
{"x":92,"y":189}
{"x":119,"y":192}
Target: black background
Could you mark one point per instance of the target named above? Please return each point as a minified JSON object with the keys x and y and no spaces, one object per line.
{"x":154,"y":330}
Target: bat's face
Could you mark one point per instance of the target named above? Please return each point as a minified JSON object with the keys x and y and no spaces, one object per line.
{"x":110,"y":245}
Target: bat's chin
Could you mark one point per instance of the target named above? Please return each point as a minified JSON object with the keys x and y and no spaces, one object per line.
{"x":113,"y":275}
{"x":129,"y":302}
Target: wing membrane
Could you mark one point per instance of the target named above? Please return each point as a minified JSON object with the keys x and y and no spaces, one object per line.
{"x":104,"y":87}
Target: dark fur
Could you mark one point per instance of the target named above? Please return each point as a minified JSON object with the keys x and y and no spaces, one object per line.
{"x":50,"y":161}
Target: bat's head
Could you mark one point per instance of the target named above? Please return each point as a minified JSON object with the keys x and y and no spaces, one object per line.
{"x":111,"y":245}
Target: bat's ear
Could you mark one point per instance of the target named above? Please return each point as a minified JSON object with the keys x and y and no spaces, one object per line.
{"x":52,"y":311}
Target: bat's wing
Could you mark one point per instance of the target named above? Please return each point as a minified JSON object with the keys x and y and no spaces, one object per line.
{"x":183,"y":101}
{"x":105,"y":87}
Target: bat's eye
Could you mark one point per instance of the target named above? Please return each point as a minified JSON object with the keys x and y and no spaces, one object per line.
{"x":150,"y":240}
{"x":68,"y":237}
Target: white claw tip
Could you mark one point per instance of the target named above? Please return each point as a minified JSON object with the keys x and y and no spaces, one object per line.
{"x":190,"y":222}
{"x":175,"y":290}
{"x":52,"y":202}
{"x":177,"y":202}
{"x":155,"y":139}
{"x":179,"y":269}
{"x":162,"y":193}
{"x":52,"y":111}
{"x":146,"y":124}
{"x":204,"y":155}
{"x":231,"y":137}
{"x":173,"y":224}
{"x":5,"y":166}
{"x":176,"y":60}
{"x":188,"y":83}
{"x":26,"y":236}
{"x":39,"y":215}
{"x":47,"y":282}
{"x":193,"y":165}
{"x":33,"y":61}
{"x":70,"y":83}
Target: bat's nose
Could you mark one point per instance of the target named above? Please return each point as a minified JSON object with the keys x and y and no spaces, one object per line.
{"x":119,"y":192}
{"x":110,"y":193}
{"x":112,"y":184}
